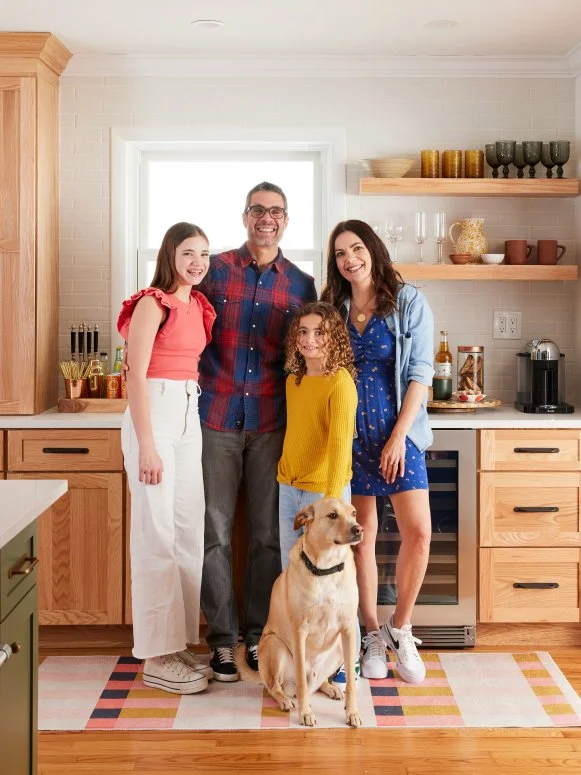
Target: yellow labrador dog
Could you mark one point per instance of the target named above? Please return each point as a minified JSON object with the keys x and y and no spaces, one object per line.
{"x":313,"y":613}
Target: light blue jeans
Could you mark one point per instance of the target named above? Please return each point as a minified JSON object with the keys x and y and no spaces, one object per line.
{"x":290,"y":501}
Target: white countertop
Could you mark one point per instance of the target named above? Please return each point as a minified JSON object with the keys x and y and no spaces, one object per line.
{"x":23,"y":500}
{"x":500,"y":417}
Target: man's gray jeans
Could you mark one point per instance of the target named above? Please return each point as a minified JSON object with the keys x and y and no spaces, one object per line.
{"x":229,"y":458}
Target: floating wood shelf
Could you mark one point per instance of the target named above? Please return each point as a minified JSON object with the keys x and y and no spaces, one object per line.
{"x":501,"y":272}
{"x":511,"y":187}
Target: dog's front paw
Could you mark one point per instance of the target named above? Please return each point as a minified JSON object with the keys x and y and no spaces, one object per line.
{"x":308,"y":718}
{"x":285,"y":703}
{"x":354,"y":719}
{"x":335,"y":693}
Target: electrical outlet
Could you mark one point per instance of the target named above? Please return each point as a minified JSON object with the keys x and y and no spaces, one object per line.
{"x":507,"y":325}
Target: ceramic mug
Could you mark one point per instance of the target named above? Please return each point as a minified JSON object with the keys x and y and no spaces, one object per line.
{"x":549,"y":251}
{"x":517,"y":251}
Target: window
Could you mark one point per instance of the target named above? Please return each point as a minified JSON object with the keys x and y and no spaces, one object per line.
{"x":210,"y":188}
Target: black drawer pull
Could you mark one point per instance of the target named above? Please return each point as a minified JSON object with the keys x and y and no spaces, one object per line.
{"x":535,"y":509}
{"x":538,"y":450}
{"x":65,"y":450}
{"x":535,"y":585}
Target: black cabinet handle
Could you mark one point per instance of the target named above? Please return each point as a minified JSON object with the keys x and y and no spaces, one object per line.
{"x":535,"y":509}
{"x":535,"y":585}
{"x":65,"y":450}
{"x":537,"y":450}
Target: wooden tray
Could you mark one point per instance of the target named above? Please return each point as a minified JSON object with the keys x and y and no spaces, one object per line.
{"x":117,"y":405}
{"x":462,"y":406}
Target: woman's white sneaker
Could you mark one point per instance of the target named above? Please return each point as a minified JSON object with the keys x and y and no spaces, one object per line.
{"x":403,"y":644}
{"x":373,"y":660}
{"x":172,"y":675}
{"x":190,"y":659}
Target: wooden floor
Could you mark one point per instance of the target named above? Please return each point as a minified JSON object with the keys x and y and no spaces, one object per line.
{"x":322,"y":752}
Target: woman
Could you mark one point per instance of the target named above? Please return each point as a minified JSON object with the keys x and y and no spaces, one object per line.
{"x":391,"y":330}
{"x":167,"y":327}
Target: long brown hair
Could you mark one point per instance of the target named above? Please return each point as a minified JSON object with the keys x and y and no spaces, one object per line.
{"x":338,"y":347}
{"x":166,"y":276}
{"x":385,"y":278}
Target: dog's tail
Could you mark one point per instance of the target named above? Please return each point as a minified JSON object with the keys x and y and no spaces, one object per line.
{"x":246,"y":672}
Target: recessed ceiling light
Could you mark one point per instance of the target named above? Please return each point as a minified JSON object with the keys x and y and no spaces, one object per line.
{"x":441,"y":24}
{"x":207,"y":23}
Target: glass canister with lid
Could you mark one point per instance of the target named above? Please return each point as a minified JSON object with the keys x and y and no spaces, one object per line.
{"x":470,"y":369}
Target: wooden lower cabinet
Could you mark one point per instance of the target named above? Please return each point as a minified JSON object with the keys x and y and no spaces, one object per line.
{"x":529,"y":585}
{"x":18,"y":688}
{"x":80,"y":542}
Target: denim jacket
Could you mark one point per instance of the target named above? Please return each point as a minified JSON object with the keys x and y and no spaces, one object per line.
{"x":412,"y":325}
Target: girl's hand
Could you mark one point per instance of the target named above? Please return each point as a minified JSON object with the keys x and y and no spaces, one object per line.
{"x":150,"y":466}
{"x":392,"y":462}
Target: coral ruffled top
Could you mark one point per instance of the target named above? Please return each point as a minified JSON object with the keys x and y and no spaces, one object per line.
{"x":182,"y":337}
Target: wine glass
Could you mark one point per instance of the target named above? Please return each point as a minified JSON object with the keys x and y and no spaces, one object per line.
{"x":394,"y":232}
{"x":491,"y":158}
{"x":505,"y":154}
{"x":559,"y":150}
{"x":421,"y":232}
{"x":546,"y":160}
{"x":532,"y":154}
{"x":440,"y":232}
{"x":519,"y":161}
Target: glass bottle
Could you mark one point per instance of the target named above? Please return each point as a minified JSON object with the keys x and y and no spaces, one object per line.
{"x":104,"y":361}
{"x":442,"y":383}
{"x":118,"y":364}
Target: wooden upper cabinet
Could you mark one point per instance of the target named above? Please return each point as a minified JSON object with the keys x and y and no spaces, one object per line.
{"x":30,"y":65}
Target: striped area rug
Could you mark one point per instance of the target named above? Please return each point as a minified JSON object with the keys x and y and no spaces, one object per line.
{"x":462,"y":689}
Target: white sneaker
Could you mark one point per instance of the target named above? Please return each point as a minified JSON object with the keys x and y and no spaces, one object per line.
{"x":373,"y":661}
{"x":403,"y":644}
{"x":172,"y":675}
{"x":190,"y":659}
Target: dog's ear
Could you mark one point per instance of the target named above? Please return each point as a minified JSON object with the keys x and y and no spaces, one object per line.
{"x":304,"y":517}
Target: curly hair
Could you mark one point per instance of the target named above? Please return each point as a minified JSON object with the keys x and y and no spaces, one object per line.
{"x":385,"y":278}
{"x":338,"y":352}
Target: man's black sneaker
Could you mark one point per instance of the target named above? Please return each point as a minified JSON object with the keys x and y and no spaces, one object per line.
{"x":252,"y":657}
{"x":223,"y":664}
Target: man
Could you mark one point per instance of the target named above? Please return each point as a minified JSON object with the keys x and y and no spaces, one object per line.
{"x":255,"y":291}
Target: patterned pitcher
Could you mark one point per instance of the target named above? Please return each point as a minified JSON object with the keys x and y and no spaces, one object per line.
{"x":471,"y":238}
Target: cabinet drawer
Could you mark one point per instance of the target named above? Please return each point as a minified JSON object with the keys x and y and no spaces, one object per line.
{"x":50,"y":450}
{"x":529,"y":509}
{"x":529,"y":585}
{"x":18,"y":571}
{"x":530,"y":450}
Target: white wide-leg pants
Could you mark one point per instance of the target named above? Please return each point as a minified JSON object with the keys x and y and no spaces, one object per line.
{"x":167,"y":523}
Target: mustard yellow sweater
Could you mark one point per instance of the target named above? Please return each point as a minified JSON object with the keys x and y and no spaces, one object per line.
{"x":316,"y":454}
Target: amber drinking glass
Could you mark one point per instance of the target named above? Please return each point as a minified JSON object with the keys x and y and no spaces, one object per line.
{"x":452,"y":164}
{"x":473,"y":164}
{"x":430,"y":164}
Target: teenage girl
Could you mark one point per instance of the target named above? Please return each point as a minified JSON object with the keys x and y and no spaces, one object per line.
{"x":167,"y":326}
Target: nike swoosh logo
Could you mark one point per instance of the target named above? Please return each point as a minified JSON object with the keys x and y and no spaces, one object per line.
{"x":395,"y":642}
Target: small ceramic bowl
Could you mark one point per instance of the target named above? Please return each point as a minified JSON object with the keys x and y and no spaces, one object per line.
{"x":471,"y":398}
{"x":492,"y":258}
{"x":460,"y":258}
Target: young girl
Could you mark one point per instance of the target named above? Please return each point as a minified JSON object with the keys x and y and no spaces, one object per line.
{"x":167,"y":326}
{"x":321,"y":400}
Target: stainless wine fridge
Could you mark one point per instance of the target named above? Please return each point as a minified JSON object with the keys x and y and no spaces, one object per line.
{"x":445,"y":613}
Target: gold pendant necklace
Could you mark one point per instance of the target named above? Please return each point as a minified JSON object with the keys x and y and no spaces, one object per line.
{"x":361,"y":318}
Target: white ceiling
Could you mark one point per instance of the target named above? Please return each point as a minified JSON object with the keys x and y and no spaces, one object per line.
{"x":303,"y":27}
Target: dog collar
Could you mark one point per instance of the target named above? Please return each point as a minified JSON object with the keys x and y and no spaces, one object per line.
{"x":321,"y":571}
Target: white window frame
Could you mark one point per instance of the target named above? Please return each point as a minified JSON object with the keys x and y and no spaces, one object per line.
{"x":127,"y":145}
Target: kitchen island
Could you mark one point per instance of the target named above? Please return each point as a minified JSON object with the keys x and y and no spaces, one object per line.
{"x":21,"y":503}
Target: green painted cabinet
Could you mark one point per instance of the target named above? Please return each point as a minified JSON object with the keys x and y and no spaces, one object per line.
{"x":18,"y":683}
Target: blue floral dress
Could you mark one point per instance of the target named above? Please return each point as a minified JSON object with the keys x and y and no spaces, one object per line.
{"x":374,"y":352}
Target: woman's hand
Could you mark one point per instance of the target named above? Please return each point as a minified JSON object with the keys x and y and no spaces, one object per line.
{"x":392,"y":462}
{"x":150,"y":466}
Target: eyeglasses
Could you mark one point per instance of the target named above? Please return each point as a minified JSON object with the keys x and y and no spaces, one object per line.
{"x":257,"y":211}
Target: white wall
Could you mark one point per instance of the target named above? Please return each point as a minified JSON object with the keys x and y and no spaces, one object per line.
{"x":381,"y":116}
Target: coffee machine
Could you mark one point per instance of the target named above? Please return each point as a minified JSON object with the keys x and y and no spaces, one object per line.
{"x":541,"y":379}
